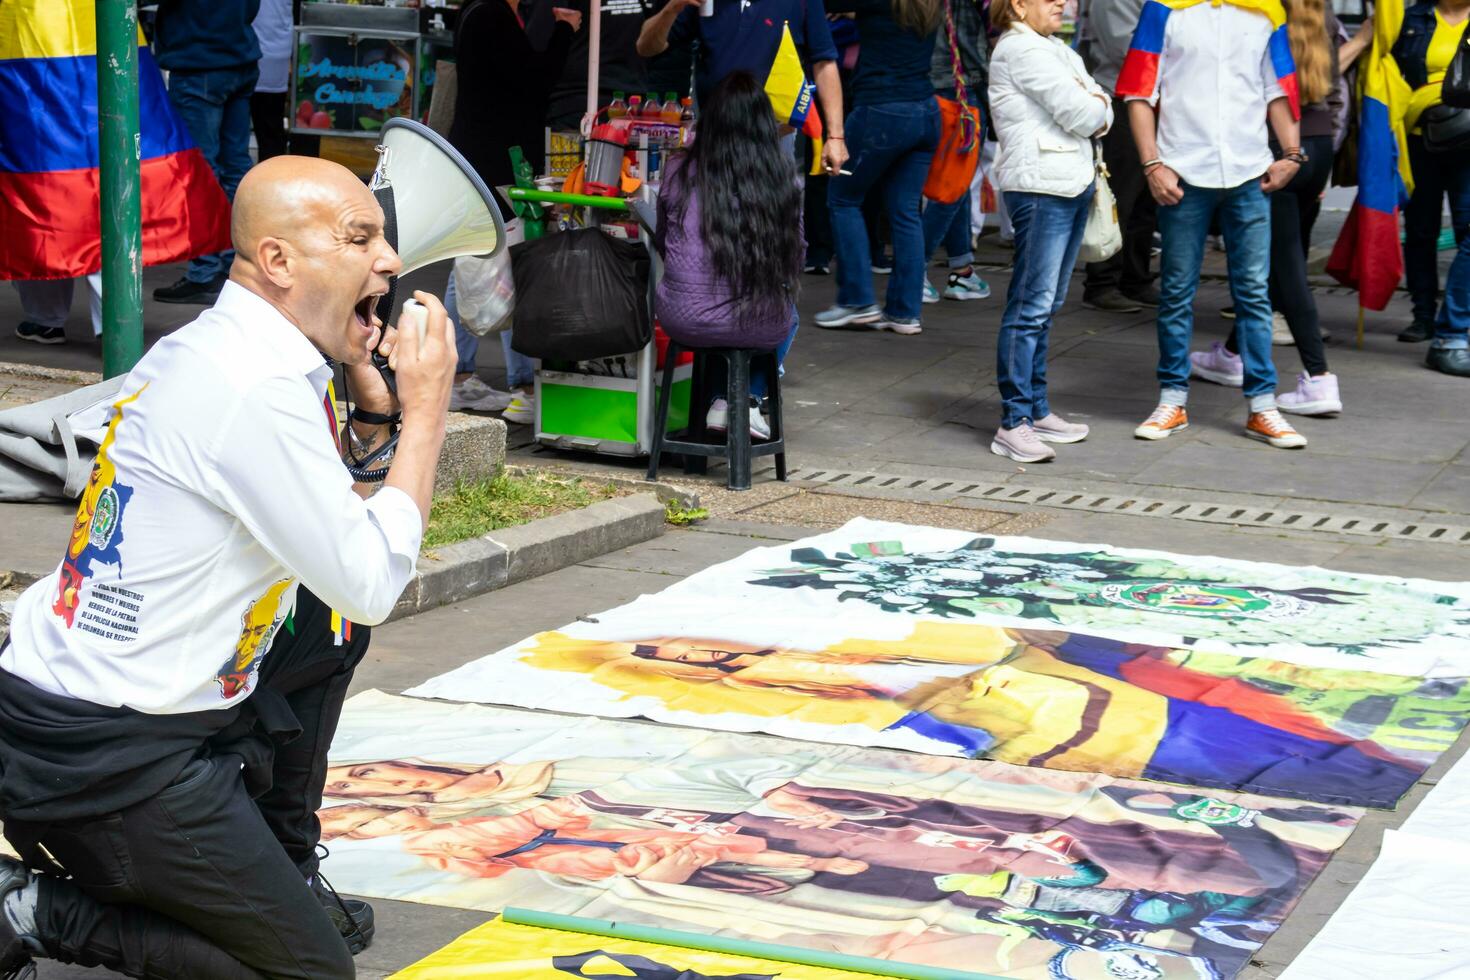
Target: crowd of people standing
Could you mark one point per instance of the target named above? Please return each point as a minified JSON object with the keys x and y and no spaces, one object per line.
{"x":1206,"y":138}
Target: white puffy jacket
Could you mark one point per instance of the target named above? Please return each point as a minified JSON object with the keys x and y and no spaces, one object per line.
{"x":1045,"y":108}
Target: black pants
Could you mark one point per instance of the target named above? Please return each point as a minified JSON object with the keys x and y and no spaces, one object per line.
{"x":1435,"y":175}
{"x":1128,"y":268}
{"x":201,"y":881}
{"x":268,"y":119}
{"x":1292,"y":215}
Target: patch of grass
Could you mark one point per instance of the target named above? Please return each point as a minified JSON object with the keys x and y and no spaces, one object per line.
{"x":473,"y":509}
{"x":680,"y":516}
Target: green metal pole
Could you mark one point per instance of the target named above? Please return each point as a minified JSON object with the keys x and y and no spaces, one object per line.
{"x":737,"y":947}
{"x":122,"y":223}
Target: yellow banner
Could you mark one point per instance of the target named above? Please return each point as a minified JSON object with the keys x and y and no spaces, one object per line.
{"x":500,"y":949}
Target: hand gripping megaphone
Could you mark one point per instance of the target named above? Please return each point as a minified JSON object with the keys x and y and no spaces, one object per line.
{"x":435,"y":207}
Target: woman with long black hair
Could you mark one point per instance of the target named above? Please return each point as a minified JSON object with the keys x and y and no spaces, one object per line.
{"x":730,"y":235}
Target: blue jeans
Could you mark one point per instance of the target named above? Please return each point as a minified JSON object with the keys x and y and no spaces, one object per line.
{"x":215,"y":106}
{"x":890,"y":144}
{"x":758,"y":379}
{"x":949,"y":224}
{"x":1245,"y":223}
{"x":520,"y":370}
{"x":1048,"y":237}
{"x":1453,"y":326}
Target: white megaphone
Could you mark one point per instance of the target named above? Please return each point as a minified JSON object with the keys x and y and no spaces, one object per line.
{"x":436,"y":207}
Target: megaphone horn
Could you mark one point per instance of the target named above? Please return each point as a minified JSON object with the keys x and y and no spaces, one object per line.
{"x":435,"y":206}
{"x":438,"y":208}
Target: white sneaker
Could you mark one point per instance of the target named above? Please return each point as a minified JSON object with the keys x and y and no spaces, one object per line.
{"x":522,"y":408}
{"x":474,"y":395}
{"x":1280,"y":332}
{"x":900,"y":325}
{"x":931,"y":295}
{"x":966,"y":287}
{"x":1218,"y":365}
{"x":1313,"y":396}
{"x":717,"y":419}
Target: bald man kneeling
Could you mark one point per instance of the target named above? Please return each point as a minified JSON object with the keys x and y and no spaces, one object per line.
{"x":167,"y":698}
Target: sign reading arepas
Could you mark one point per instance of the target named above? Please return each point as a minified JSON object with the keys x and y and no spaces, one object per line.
{"x":349,"y":83}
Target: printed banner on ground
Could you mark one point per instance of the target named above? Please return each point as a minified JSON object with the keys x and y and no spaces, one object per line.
{"x":952,"y":863}
{"x":514,"y":952}
{"x":896,"y":648}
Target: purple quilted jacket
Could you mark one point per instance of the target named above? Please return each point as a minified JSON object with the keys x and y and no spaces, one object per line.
{"x":694,"y":305}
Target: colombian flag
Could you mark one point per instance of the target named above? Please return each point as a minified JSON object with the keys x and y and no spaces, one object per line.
{"x":1140,"y":72}
{"x":1367,"y":255}
{"x":49,"y":153}
{"x":790,"y":93}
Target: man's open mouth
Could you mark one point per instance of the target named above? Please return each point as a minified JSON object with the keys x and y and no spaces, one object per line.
{"x":364,"y":309}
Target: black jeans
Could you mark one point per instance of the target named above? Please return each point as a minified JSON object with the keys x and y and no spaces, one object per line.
{"x":201,"y":881}
{"x":1128,"y":268}
{"x":268,"y":119}
{"x":1292,"y":215}
{"x":1435,"y":175}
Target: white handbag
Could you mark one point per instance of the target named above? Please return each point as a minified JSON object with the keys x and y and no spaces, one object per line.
{"x":1102,"y":238}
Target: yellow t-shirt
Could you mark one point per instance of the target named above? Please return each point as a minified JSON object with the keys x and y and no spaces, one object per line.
{"x":1442,"y":46}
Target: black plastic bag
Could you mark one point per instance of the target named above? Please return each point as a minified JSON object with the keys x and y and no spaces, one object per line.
{"x":580,"y":294}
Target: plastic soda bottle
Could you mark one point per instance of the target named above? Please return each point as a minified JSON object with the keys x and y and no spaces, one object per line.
{"x":672,"y":110}
{"x":651,"y":107}
{"x":617,"y":108}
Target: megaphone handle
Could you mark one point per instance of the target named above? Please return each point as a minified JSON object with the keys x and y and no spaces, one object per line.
{"x":384,"y":195}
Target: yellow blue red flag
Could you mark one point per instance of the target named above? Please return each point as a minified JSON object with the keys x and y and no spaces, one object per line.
{"x":1140,"y":72}
{"x":49,"y":152}
{"x":791,"y":95}
{"x":1367,"y":255}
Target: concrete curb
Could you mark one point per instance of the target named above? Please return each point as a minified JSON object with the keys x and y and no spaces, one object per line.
{"x":470,"y":568}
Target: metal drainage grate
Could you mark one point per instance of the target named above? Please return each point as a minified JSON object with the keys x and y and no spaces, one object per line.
{"x":1123,"y":503}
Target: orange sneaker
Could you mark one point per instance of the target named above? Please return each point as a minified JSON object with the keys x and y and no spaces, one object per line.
{"x":1163,"y":423}
{"x":1270,"y":427}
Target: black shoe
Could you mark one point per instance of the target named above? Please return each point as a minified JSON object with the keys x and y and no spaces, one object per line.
{"x":1452,"y":361}
{"x":1417,"y":332}
{"x":15,"y":955}
{"x":818,"y":269}
{"x":1227,"y":312}
{"x":188,"y":291}
{"x":37,"y":334}
{"x":1111,"y":301}
{"x":1146,"y":295}
{"x":352,"y":916}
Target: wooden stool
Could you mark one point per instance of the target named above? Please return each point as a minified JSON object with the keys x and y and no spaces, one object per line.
{"x":737,"y":449}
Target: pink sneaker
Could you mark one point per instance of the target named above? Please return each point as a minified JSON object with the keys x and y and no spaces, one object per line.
{"x":1021,"y":444}
{"x":1313,"y":396}
{"x":1218,"y":365}
{"x":1054,"y":428}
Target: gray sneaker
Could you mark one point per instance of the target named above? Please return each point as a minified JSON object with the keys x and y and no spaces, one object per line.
{"x":1056,"y":429}
{"x":1021,"y":444}
{"x":835,"y":317}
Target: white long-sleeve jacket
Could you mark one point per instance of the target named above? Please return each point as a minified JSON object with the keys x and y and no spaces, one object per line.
{"x":1045,"y":108}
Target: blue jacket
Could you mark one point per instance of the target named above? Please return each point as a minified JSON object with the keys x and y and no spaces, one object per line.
{"x":1411,"y":50}
{"x":205,"y":35}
